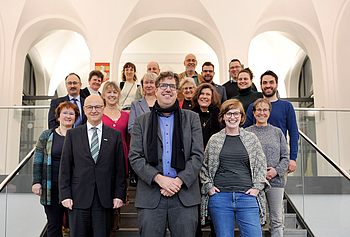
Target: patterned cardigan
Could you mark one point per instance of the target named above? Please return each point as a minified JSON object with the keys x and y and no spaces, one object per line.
{"x":42,"y":165}
{"x":211,"y":163}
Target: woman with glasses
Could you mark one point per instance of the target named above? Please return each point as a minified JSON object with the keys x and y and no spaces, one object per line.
{"x":46,"y":164}
{"x":117,"y":119}
{"x":233,"y":176}
{"x":186,"y":91}
{"x":275,"y":147}
{"x":206,"y":102}
{"x":128,"y":86}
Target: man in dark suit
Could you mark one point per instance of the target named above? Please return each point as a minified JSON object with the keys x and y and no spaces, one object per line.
{"x":95,"y":80}
{"x":166,"y":153}
{"x":73,"y":85}
{"x":92,"y":173}
{"x":208,"y":76}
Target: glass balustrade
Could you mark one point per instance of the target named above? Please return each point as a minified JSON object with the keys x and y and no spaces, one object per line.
{"x":329,"y":129}
{"x":20,"y":211}
{"x":320,"y":193}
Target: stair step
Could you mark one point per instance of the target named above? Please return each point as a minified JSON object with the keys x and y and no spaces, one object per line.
{"x":128,"y":220}
{"x":290,"y":220}
{"x":129,"y":208}
{"x":134,"y":232}
{"x":294,"y":232}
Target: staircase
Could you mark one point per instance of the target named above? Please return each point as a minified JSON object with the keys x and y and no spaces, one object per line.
{"x":129,"y":226}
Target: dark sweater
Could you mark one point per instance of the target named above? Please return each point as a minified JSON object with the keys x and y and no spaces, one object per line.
{"x":209,"y":122}
{"x":248,"y":96}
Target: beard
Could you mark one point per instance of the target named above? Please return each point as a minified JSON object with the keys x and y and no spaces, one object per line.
{"x":274,"y":91}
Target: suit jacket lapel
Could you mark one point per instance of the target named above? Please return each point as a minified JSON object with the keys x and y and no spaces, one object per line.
{"x":105,"y":139}
{"x":85,"y":142}
{"x":144,"y":106}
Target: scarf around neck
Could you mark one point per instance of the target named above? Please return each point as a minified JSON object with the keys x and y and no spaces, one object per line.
{"x":177,"y":156}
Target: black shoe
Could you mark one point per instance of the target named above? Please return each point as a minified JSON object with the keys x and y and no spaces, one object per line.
{"x":132,"y":181}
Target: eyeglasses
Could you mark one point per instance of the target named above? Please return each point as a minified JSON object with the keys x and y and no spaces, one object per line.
{"x":96,"y":107}
{"x":74,"y":83}
{"x":262,"y":110}
{"x":165,"y":86}
{"x":234,"y":114}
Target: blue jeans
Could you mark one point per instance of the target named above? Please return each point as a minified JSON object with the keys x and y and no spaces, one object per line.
{"x":226,"y":207}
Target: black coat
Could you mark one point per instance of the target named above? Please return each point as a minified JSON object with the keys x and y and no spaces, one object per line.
{"x":79,"y":174}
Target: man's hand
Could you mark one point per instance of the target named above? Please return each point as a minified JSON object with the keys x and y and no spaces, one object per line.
{"x":170,"y":185}
{"x":253,"y":192}
{"x":165,"y":193}
{"x":292,"y":166}
{"x":117,"y":203}
{"x":36,"y":189}
{"x":68,"y":203}
{"x":271,"y":173}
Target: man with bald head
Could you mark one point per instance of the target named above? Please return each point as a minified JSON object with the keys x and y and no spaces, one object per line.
{"x":92,"y":173}
{"x":153,"y":67}
{"x":190,"y":64}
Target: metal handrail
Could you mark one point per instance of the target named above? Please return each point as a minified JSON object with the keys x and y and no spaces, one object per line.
{"x":323,"y":109}
{"x":16,"y":170}
{"x":325,"y":156}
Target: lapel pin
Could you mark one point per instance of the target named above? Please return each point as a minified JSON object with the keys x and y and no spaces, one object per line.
{"x":105,"y":139}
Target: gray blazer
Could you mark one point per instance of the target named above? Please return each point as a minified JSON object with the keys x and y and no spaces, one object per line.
{"x":148,"y":192}
{"x":138,"y":108}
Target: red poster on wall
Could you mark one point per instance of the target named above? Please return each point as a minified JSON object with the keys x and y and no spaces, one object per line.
{"x":104,"y":68}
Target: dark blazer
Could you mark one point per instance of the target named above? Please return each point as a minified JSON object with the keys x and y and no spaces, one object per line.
{"x":148,"y":192}
{"x":79,"y":174}
{"x":222,"y":92}
{"x":85,"y":93}
{"x":52,"y":122}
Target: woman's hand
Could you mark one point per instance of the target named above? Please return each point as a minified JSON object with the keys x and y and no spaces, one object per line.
{"x":271,"y":173}
{"x":213,"y":190}
{"x":36,"y":189}
{"x":253,"y":192}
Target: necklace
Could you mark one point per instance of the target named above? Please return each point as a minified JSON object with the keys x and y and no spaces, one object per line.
{"x":60,"y":132}
{"x":204,"y":124}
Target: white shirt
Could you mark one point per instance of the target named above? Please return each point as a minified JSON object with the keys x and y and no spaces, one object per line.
{"x":92,"y":92}
{"x":128,"y":94}
{"x":90,"y":132}
{"x":78,"y":103}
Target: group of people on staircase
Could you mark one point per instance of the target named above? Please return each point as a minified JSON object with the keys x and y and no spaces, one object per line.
{"x":198,"y":152}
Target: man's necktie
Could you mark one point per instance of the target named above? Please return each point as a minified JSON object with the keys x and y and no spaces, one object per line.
{"x":95,"y":148}
{"x":79,"y":119}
